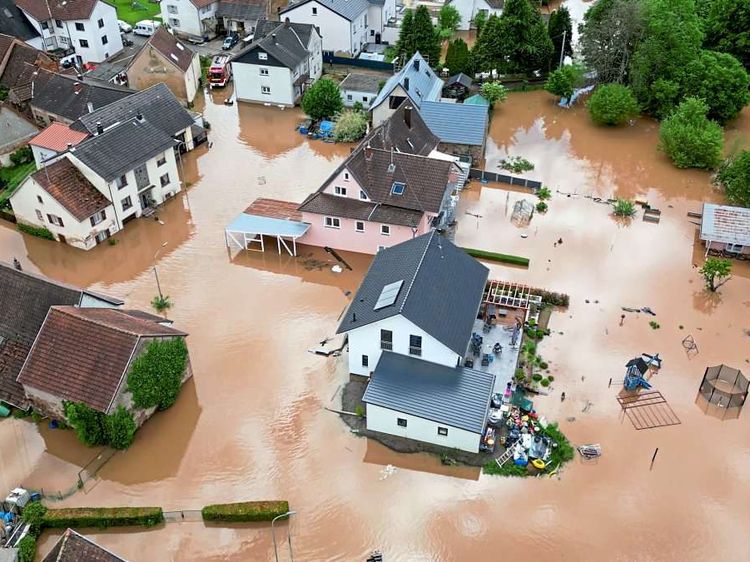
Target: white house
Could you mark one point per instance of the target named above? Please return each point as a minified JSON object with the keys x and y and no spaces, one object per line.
{"x":470,"y":8}
{"x":242,"y":16}
{"x":419,"y":298}
{"x":415,"y":81}
{"x":194,"y":19}
{"x":359,"y":87}
{"x":89,"y":27}
{"x":428,"y":402}
{"x":92,"y":190}
{"x":345,"y":25}
{"x":281,"y":62}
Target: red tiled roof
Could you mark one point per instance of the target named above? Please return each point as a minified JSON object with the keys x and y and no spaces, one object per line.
{"x":43,"y":10}
{"x":275,"y":209}
{"x":56,"y":137}
{"x":82,"y":354}
{"x":69,"y":187}
{"x":202,"y":3}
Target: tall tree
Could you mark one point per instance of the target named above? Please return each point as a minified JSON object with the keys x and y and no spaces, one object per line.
{"x":727,"y":27}
{"x":689,"y":138}
{"x":672,"y":39}
{"x":525,"y":42}
{"x":560,"y":28}
{"x":458,"y":57}
{"x":734,"y":176}
{"x":721,"y":81}
{"x":488,"y":51}
{"x":479,"y":20}
{"x":406,"y":44}
{"x":448,"y":20}
{"x":608,"y":36}
{"x":426,"y":38}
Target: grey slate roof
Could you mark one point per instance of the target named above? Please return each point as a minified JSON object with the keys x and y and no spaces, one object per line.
{"x":157,"y":104}
{"x":16,"y":130}
{"x":456,"y":123}
{"x":347,"y":207}
{"x":25,"y":299}
{"x":424,"y":84}
{"x":441,"y":293}
{"x":349,"y":9}
{"x":265,"y":27}
{"x":288,"y":46}
{"x":395,"y":133}
{"x":460,"y":78}
{"x":243,"y":10}
{"x":359,"y":82}
{"x":14,"y":23}
{"x":455,"y":397}
{"x":122,"y":148}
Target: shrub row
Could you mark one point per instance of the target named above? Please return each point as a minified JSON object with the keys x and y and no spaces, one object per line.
{"x":245,"y":511}
{"x":38,"y":231}
{"x":102,"y":517}
{"x":555,"y":299}
{"x":502,"y":258}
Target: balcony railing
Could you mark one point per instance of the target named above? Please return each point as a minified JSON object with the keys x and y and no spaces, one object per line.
{"x":387,"y":345}
{"x":415,"y":351}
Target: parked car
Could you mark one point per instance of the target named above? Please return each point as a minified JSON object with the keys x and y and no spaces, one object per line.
{"x":124,"y":26}
{"x":230,"y":41}
{"x":146,"y":27}
{"x":126,"y":42}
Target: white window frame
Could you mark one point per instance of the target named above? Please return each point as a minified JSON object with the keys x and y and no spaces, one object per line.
{"x":263,"y":71}
{"x":262,"y":56}
{"x":357,"y":228}
{"x":339,"y":190}
{"x":734,"y":248}
{"x":332,"y":222}
{"x":442,"y":431}
{"x":385,"y":230}
{"x":362,"y":195}
{"x":265,"y":90}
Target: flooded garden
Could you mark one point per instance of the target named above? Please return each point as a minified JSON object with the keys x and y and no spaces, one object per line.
{"x":251,"y":424}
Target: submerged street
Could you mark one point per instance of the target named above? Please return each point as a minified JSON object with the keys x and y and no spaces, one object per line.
{"x":251,"y":424}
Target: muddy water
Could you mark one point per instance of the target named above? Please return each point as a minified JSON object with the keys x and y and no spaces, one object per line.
{"x":251,"y":424}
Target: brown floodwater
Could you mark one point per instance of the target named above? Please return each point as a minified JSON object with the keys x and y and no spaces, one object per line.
{"x":252,"y":424}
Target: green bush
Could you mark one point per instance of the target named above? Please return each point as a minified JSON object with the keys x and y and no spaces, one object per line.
{"x":734,"y":176}
{"x":33,"y":514}
{"x":550,"y":378}
{"x":564,"y":451}
{"x":360,"y":411}
{"x":156,"y":376}
{"x":536,"y":377}
{"x":516,"y":164}
{"x":508,"y":469}
{"x":548,"y":297}
{"x":120,"y":428}
{"x":612,"y":104}
{"x":624,"y":208}
{"x":27,"y":549}
{"x":494,"y":92}
{"x":23,"y":155}
{"x":541,"y":207}
{"x":544,"y":365}
{"x":563,"y":81}
{"x":245,"y":511}
{"x":502,"y":258}
{"x":38,"y":231}
{"x":88,"y":424}
{"x":544,"y":193}
{"x":160,"y":303}
{"x":322,"y":100}
{"x":654,"y":325}
{"x":545,"y":383}
{"x":350,"y":126}
{"x":689,"y":138}
{"x":103,"y":517}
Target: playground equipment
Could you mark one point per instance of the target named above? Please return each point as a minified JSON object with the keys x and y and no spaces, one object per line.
{"x":723,"y":392}
{"x":636,"y":368}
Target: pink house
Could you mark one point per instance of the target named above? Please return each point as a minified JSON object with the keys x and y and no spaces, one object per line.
{"x":379,"y":196}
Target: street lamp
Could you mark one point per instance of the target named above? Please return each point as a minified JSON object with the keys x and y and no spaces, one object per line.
{"x":273,"y":534}
{"x":158,"y":285}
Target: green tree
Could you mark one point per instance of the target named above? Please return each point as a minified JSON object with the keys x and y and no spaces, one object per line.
{"x":721,"y":81}
{"x":623,"y":208}
{"x":563,"y":81}
{"x":448,"y":20}
{"x":560,"y":27}
{"x":86,"y":422}
{"x":427,"y":38}
{"x":406,"y":45}
{"x":727,"y":27}
{"x":609,"y":35}
{"x":322,"y":100}
{"x":27,"y":549}
{"x":33,"y":514}
{"x":160,"y":303}
{"x":716,"y":272}
{"x":525,"y":42}
{"x":488,"y":51}
{"x":494,"y":92}
{"x":120,"y":428}
{"x":479,"y":20}
{"x":734,"y":177}
{"x":350,"y":126}
{"x":458,"y":57}
{"x":156,"y":376}
{"x":612,"y":104}
{"x":672,"y":39}
{"x":690,"y":138}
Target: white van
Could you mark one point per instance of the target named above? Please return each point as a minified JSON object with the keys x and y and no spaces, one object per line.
{"x":146,"y":27}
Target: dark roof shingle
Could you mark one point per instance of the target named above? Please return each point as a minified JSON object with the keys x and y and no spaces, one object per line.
{"x":247,"y":10}
{"x":14,"y":23}
{"x":72,"y":547}
{"x":82,"y":354}
{"x":452,"y":396}
{"x":69,"y":187}
{"x":282,"y":41}
{"x":441,"y":291}
{"x":171,"y":48}
{"x":21,"y":56}
{"x":346,"y":207}
{"x":456,"y":123}
{"x":66,"y":10}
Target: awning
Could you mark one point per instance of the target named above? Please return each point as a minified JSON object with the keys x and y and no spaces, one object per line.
{"x":250,"y":227}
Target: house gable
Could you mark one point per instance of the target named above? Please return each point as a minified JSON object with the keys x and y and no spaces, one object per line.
{"x":252,"y":56}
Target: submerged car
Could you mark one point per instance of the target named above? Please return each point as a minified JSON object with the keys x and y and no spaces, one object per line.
{"x":124,"y":26}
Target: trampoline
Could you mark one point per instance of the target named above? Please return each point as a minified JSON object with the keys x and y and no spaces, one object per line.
{"x":723,"y":392}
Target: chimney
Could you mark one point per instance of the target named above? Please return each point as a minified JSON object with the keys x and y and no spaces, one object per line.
{"x":139,"y":116}
{"x":407,"y":116}
{"x":90,"y":107}
{"x":368,"y":152}
{"x":99,"y":128}
{"x":406,"y":83}
{"x":273,"y":37}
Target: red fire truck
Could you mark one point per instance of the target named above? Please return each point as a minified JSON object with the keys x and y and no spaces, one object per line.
{"x":220,"y":71}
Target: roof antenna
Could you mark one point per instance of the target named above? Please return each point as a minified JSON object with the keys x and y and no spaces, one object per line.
{"x":391,"y":166}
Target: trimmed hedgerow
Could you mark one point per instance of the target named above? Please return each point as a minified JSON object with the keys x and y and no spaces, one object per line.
{"x":38,"y":231}
{"x":27,"y":549}
{"x":103,"y":517}
{"x":492,"y":256}
{"x":245,"y":511}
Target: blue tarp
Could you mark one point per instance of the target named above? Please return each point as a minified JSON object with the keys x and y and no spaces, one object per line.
{"x":325,"y":128}
{"x":254,"y":224}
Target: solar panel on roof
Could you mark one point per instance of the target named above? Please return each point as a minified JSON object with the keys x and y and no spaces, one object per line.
{"x":388,"y":295}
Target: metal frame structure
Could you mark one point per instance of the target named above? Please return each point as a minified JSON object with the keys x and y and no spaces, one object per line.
{"x":506,"y":293}
{"x":267,"y":217}
{"x":648,"y":410}
{"x":724,"y":402}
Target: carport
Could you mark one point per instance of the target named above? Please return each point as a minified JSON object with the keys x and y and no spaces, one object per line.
{"x":267,"y":217}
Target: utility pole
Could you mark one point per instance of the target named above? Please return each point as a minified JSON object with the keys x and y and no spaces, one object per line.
{"x":562,"y":49}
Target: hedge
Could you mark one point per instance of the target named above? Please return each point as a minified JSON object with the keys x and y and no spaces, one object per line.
{"x":502,"y":258}
{"x":102,"y":517}
{"x":245,"y":511}
{"x":38,"y":231}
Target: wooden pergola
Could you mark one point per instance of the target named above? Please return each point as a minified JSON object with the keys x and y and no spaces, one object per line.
{"x":506,"y":293}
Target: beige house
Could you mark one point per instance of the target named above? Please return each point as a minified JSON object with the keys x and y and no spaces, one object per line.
{"x":164,"y":58}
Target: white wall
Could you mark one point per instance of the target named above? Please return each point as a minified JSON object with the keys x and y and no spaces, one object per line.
{"x":187,"y":14}
{"x":365,"y":98}
{"x":385,"y":421}
{"x":42,"y":154}
{"x":384,"y":111}
{"x":335,"y":30}
{"x":366,"y":341}
{"x":192,"y":76}
{"x":79,"y":234}
{"x":248,"y":83}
